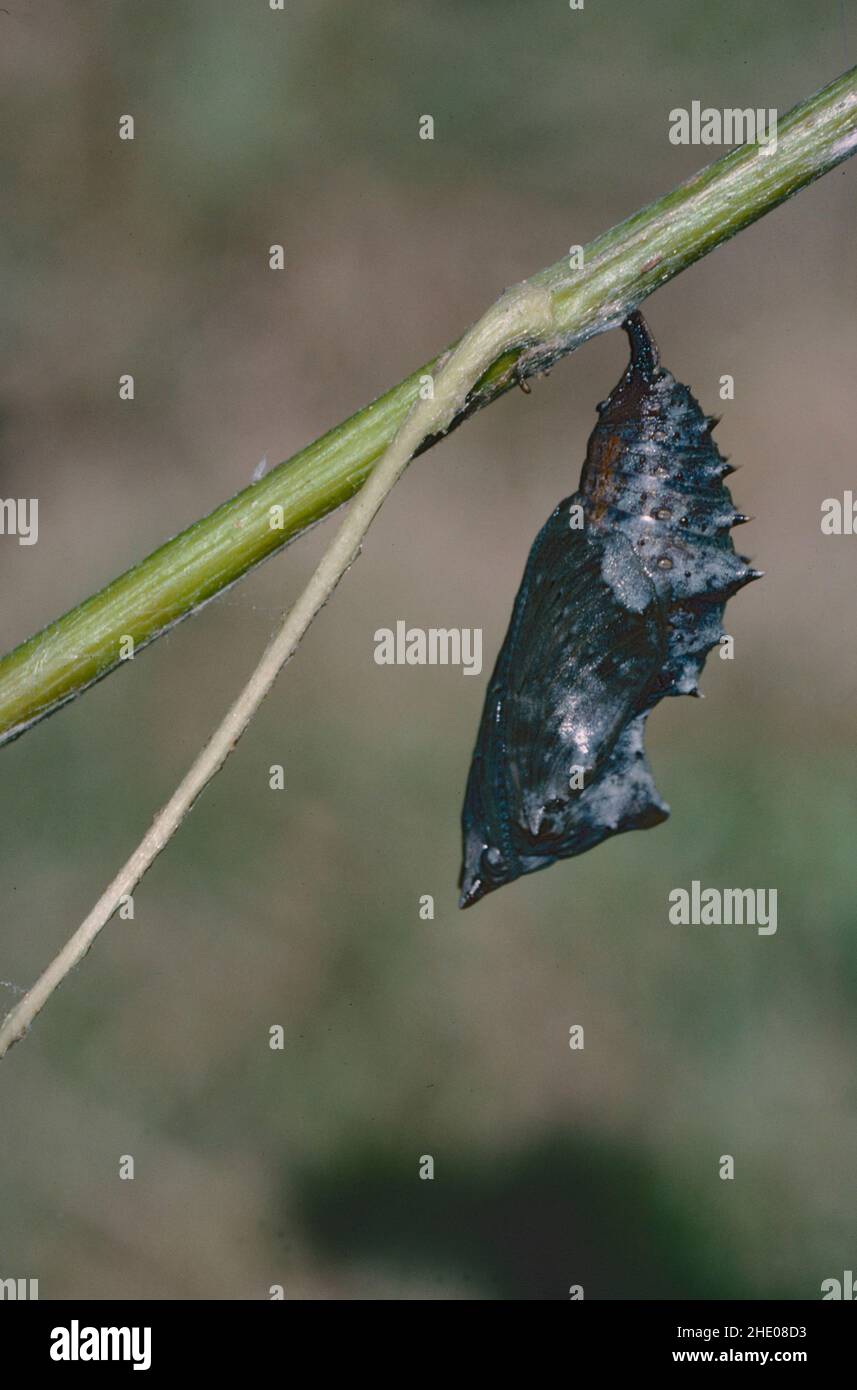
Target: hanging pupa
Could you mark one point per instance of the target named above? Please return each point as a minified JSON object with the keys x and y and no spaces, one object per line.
{"x":622,"y":599}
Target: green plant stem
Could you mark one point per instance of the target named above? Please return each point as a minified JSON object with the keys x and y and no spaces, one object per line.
{"x":621,"y":268}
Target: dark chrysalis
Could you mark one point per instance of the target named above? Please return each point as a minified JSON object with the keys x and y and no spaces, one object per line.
{"x":622,"y":599}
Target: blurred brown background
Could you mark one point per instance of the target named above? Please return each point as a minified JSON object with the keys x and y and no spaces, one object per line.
{"x":406,"y":1037}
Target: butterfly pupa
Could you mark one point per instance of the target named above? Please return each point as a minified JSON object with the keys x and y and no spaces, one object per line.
{"x":611,"y":616}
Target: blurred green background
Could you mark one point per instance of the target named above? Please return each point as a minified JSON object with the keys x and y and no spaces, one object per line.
{"x":406,"y":1037}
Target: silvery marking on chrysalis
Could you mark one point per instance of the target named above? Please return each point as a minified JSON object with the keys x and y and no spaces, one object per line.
{"x":611,"y":616}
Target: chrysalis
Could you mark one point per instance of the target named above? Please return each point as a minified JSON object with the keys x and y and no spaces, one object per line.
{"x":611,"y":616}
